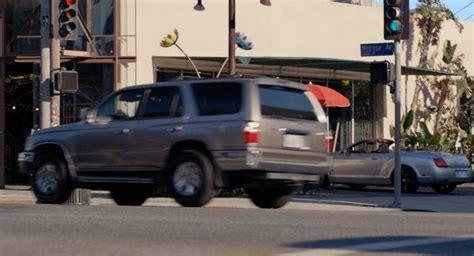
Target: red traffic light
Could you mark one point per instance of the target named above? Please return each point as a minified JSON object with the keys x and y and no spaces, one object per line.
{"x":70,"y":2}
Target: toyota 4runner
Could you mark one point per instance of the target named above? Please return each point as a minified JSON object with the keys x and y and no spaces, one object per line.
{"x":190,"y":136}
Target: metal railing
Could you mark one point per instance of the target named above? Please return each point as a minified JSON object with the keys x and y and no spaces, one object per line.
{"x":13,"y":146}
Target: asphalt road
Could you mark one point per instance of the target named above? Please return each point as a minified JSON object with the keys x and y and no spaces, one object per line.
{"x":169,"y":230}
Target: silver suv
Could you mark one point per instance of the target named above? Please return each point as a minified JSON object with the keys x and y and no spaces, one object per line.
{"x":190,"y":136}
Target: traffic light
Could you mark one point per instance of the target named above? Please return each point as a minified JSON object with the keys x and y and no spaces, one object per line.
{"x":396,"y":19}
{"x":64,"y":19}
{"x":381,"y":72}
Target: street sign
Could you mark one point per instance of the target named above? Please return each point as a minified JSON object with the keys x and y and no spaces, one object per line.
{"x":380,"y":49}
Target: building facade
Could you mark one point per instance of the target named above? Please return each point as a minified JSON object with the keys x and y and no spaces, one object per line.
{"x":119,"y":46}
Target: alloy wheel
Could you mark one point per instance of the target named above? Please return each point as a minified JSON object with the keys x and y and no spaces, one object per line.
{"x":47,"y":179}
{"x":187,"y":180}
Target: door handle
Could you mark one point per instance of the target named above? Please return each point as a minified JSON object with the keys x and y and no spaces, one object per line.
{"x":174,"y":129}
{"x":124,"y":131}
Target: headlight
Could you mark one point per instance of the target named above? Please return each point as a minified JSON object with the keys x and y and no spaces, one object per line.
{"x":28,"y":143}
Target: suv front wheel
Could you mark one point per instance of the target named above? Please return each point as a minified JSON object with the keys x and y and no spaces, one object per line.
{"x":191,"y":179}
{"x":50,"y":179}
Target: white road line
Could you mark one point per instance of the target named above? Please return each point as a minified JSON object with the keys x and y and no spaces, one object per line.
{"x":380,"y":246}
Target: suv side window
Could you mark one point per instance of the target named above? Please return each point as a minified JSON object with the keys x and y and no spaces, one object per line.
{"x":122,"y":105}
{"x":164,"y":102}
{"x":285,"y":102}
{"x":217,"y":98}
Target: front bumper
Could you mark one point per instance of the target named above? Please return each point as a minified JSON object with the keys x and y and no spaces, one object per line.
{"x":25,"y":162}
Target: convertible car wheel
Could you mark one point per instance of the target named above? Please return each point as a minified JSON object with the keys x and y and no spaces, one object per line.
{"x":444,"y":189}
{"x":409,"y":181}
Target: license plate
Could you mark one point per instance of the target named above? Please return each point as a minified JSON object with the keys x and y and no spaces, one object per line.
{"x":461,"y":174}
{"x":294,"y":141}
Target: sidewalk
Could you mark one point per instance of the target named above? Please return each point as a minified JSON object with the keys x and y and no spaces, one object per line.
{"x":371,"y":199}
{"x":22,"y":195}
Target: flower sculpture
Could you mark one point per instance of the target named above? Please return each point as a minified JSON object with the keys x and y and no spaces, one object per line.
{"x":243,"y":42}
{"x":172,"y":39}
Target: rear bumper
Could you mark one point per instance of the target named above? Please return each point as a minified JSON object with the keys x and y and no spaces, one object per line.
{"x":448,"y":176}
{"x":251,"y":160}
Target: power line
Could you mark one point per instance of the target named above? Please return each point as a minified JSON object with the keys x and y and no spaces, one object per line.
{"x":469,"y":17}
{"x":472,"y":2}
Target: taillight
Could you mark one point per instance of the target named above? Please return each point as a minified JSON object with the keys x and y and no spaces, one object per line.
{"x":251,"y":132}
{"x":440,"y":162}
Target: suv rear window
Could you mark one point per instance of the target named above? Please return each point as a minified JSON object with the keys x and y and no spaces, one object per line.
{"x":285,"y":102}
{"x":217,"y":98}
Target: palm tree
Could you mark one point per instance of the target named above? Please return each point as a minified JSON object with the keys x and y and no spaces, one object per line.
{"x":429,"y":17}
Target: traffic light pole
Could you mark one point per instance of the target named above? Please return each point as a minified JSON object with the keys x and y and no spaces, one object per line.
{"x":45,"y":106}
{"x":397,"y":176}
{"x":55,"y":66}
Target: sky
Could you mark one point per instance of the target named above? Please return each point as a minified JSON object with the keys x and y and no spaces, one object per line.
{"x":463,"y":9}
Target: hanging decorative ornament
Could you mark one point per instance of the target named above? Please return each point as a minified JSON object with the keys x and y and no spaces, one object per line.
{"x":243,"y":42}
{"x":170,"y":39}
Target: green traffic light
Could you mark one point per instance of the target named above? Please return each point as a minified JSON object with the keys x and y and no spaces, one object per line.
{"x":395,"y":26}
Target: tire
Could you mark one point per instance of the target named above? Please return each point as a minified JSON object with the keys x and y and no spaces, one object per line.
{"x":410,"y":182}
{"x":191,"y":179}
{"x":50,"y":179}
{"x":270,"y":198}
{"x":131,"y":195}
{"x":357,"y":186}
{"x":444,"y":189}
{"x":324,"y":182}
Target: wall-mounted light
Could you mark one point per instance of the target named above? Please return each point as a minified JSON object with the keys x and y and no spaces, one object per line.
{"x":199,"y":6}
{"x":266,"y":2}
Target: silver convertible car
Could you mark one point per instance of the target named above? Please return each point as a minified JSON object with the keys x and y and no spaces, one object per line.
{"x":371,"y":162}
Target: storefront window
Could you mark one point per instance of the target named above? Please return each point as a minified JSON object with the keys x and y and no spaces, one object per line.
{"x":103,"y":26}
{"x":16,"y":16}
{"x":95,"y":82}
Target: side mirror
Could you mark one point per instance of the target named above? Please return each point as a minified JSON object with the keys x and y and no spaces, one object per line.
{"x":88,"y":115}
{"x":83,"y":113}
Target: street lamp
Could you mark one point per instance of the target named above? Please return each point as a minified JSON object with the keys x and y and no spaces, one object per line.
{"x":200,"y":7}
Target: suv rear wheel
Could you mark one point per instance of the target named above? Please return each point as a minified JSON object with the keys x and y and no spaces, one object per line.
{"x":191,"y":179}
{"x":50,"y":179}
{"x":270,"y":197}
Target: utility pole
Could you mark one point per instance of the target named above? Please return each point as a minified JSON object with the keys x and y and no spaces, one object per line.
{"x":397,"y":202}
{"x":396,"y":27}
{"x":2,"y":97}
{"x":231,"y":37}
{"x":45,"y":106}
{"x":55,"y":67}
